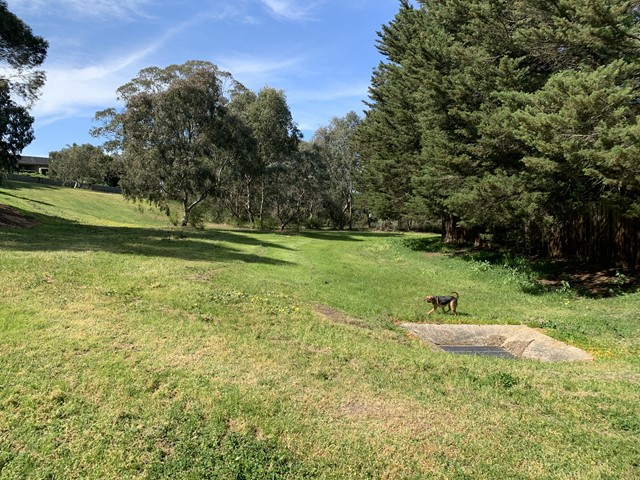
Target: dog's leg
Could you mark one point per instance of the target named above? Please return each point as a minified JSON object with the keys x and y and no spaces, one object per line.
{"x":453,"y":306}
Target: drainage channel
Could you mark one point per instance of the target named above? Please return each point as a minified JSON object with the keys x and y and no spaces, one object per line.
{"x":478,"y":350}
{"x":518,"y":341}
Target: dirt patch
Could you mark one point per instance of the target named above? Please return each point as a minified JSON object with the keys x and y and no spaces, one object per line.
{"x":395,"y":415}
{"x":593,"y":280}
{"x":339,"y":317}
{"x":433,"y":254}
{"x":519,"y":340}
{"x":11,"y":217}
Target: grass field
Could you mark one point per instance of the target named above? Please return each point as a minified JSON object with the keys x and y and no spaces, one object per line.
{"x":133,"y":349}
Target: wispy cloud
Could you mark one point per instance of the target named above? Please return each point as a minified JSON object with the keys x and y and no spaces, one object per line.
{"x":256,"y":72}
{"x":84,"y":8}
{"x":330,"y":93}
{"x":240,"y":64}
{"x":314,"y":108}
{"x":292,"y":9}
{"x":79,"y":90}
{"x":71,"y":90}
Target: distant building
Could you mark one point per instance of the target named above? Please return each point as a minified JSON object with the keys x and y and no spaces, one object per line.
{"x":33,"y":164}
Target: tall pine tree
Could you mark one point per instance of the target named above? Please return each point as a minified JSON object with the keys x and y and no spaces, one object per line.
{"x":389,"y":138}
{"x":503,"y":116}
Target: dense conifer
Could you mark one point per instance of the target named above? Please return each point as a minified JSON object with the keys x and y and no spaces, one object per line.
{"x":504,"y":116}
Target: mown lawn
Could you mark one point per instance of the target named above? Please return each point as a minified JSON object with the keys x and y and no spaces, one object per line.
{"x":133,"y":349}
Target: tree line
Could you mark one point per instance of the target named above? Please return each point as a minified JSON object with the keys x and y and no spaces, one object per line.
{"x":504,"y":119}
{"x":190,"y":134}
{"x":193,"y":134}
{"x":501,"y":121}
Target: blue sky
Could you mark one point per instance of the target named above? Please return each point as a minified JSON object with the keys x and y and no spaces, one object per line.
{"x":320,"y":52}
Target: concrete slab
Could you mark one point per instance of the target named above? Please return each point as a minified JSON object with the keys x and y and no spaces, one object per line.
{"x":519,"y":340}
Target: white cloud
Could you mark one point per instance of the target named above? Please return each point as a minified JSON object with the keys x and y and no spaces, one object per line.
{"x":245,"y":64}
{"x":314,"y":108}
{"x":291,"y":9}
{"x":84,"y":8}
{"x":71,"y":90}
{"x":256,"y":72}
{"x":331,"y":93}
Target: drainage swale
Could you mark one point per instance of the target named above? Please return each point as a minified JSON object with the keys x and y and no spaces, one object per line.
{"x":516,"y":340}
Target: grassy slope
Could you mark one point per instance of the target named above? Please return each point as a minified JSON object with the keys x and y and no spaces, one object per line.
{"x":131,"y":349}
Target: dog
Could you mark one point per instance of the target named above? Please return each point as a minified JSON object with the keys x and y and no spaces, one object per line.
{"x":443,"y":301}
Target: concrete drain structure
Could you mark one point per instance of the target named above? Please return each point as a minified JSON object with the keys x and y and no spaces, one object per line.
{"x":498,"y":352}
{"x":516,"y":341}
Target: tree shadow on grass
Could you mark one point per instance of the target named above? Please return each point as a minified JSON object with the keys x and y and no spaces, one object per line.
{"x":343,"y":235}
{"x":57,"y":234}
{"x":26,"y":199}
{"x":232,"y":236}
{"x":539,"y":275}
{"x":428,"y":244}
{"x":590,"y":280}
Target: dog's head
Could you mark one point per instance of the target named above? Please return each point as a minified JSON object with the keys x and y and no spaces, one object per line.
{"x":429,"y":298}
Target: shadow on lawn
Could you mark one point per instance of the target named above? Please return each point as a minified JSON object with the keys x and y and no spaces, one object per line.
{"x":27,"y":199}
{"x":57,"y":234}
{"x":342,"y":235}
{"x":544,"y":275}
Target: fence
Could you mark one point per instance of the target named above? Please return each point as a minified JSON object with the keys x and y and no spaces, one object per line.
{"x":599,"y":235}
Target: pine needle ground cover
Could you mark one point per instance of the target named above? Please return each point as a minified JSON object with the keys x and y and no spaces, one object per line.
{"x":133,"y":349}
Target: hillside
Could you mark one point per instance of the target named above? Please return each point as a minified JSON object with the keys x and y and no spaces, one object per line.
{"x":134,"y":349}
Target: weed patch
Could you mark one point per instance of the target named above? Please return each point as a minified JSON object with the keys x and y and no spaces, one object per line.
{"x":189,"y":445}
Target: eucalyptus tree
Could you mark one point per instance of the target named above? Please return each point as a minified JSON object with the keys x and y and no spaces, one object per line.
{"x":84,"y":164}
{"x":297,"y":185}
{"x":21,"y":53}
{"x":175,"y":134}
{"x":278,"y":139}
{"x":16,"y":130}
{"x":241,"y":191}
{"x":342,"y":164}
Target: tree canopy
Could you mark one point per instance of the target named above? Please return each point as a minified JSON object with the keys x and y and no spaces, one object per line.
{"x":173,"y":133}
{"x":21,"y":52}
{"x":504,"y":117}
{"x":342,"y":166}
{"x":84,"y":164}
{"x":15,"y":130}
{"x":191,"y":133}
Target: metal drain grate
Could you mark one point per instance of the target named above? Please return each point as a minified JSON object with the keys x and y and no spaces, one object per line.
{"x":478,"y":350}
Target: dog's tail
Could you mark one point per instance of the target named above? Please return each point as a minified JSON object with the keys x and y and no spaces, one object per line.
{"x":456,"y":294}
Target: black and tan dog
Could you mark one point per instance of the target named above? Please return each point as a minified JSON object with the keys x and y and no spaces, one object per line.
{"x":443,"y":301}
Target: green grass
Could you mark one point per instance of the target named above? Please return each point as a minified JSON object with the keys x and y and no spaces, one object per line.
{"x":133,"y":349}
